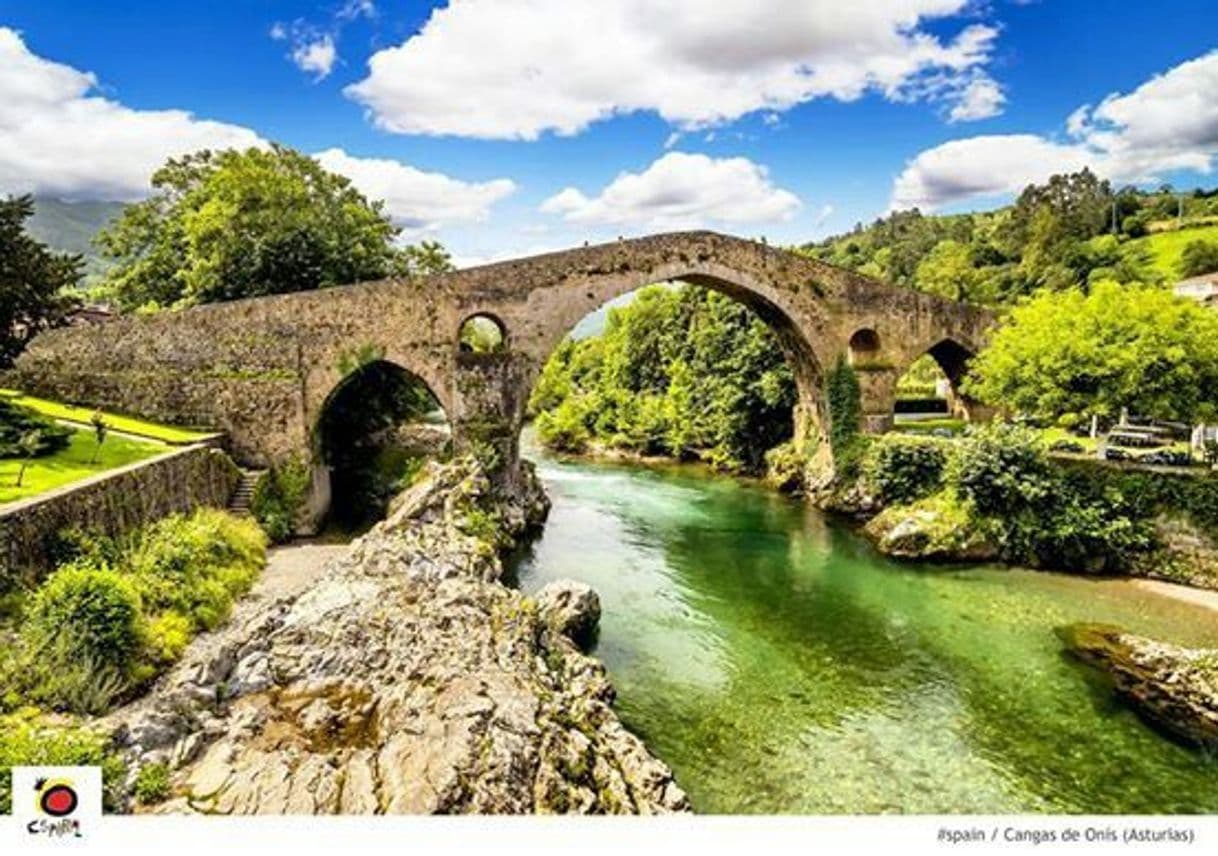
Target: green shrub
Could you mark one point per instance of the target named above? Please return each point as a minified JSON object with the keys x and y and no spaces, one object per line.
{"x":99,"y":626}
{"x":58,"y":676}
{"x":72,"y":544}
{"x":1147,"y":493}
{"x":1198,"y":257}
{"x":1000,"y":468}
{"x":25,"y":741}
{"x":168,"y":635}
{"x":197,"y":565}
{"x":1044,"y":515}
{"x":279,"y":497}
{"x":565,"y":428}
{"x":901,"y":469}
{"x":87,"y":613}
{"x":152,"y":784}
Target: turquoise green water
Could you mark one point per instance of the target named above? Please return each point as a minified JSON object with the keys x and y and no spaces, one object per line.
{"x":778,"y":664}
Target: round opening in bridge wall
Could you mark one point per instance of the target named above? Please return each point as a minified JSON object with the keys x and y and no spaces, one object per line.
{"x":482,"y":334}
{"x":864,"y":347}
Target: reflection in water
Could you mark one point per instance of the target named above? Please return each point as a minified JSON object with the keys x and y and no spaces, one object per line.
{"x":779,"y":665}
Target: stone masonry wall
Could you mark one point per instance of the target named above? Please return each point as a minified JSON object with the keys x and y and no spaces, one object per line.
{"x":113,"y":503}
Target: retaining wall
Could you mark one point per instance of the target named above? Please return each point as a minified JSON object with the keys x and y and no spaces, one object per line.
{"x":111,"y":503}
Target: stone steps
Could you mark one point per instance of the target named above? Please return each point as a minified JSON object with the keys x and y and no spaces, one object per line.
{"x":243,"y":496}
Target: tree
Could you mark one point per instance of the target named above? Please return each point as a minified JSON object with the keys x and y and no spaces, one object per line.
{"x":948,"y":271}
{"x":231,"y":224}
{"x":1139,"y":347}
{"x":1199,"y":257}
{"x":35,"y":283}
{"x":422,"y":259}
{"x":1079,"y":204}
{"x":100,"y":430}
{"x":29,"y":444}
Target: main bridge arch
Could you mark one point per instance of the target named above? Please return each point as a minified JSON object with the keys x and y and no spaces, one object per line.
{"x":262,"y":369}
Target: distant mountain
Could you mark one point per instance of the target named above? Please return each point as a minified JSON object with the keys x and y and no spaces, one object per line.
{"x":70,"y":226}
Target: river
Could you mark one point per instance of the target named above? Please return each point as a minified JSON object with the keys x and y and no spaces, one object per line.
{"x":779,"y":664}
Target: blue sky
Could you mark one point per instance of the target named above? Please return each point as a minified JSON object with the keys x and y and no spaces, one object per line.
{"x":503,"y":127}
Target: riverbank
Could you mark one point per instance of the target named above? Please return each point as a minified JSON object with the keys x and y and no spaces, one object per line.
{"x":939,"y":529}
{"x":403,"y":678}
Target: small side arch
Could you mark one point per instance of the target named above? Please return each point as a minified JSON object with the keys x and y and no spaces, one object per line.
{"x":953,"y":359}
{"x":864,"y":347}
{"x":482,"y":333}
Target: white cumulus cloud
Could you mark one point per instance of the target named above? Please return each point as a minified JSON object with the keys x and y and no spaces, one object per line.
{"x":680,"y":190}
{"x":58,"y":137}
{"x":418,"y":201}
{"x":515,"y":69}
{"x":316,"y":56}
{"x":981,"y":166}
{"x":980,"y":98}
{"x":1168,"y":123}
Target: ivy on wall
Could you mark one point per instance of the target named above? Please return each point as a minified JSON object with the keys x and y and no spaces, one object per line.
{"x":844,"y":398}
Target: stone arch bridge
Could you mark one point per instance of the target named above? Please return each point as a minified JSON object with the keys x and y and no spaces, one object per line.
{"x":263,"y":369}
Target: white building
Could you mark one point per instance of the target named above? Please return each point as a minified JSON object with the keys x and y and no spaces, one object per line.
{"x":1203,"y":289}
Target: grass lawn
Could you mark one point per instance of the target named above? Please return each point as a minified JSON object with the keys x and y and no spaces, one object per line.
{"x":72,"y":464}
{"x":126,"y":424}
{"x":926,"y":426}
{"x":1166,"y":247}
{"x":1056,"y":435}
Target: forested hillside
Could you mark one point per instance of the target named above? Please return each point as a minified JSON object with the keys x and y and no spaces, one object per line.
{"x":1071,"y":231}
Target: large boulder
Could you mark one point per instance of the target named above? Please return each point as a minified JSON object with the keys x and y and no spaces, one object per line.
{"x":1173,"y":687}
{"x":930,"y":530}
{"x":407,"y":679}
{"x":572,"y":608}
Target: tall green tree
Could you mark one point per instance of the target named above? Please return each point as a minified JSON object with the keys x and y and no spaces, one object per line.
{"x":948,"y":271}
{"x":35,"y":283}
{"x":1068,"y":352}
{"x":231,"y":224}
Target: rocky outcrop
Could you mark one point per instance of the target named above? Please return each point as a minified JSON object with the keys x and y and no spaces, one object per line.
{"x":1173,"y":687}
{"x":930,"y":530}
{"x":406,"y":680}
{"x":571,"y":608}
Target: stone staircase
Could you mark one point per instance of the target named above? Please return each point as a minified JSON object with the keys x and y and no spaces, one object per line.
{"x":242,"y":498}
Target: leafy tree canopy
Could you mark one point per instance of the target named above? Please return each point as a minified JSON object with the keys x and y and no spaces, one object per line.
{"x":682,"y":371}
{"x":1118,"y":346}
{"x":231,"y":224}
{"x":34,"y":282}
